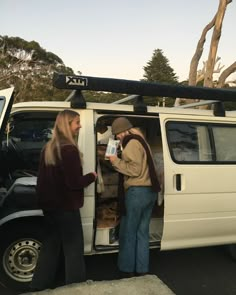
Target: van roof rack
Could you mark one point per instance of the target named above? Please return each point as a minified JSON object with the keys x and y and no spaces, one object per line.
{"x":218,"y":107}
{"x":197,"y":104}
{"x":142,"y":88}
{"x":76,"y":99}
{"x":127,"y":98}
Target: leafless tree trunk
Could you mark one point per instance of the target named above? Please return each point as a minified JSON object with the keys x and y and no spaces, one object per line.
{"x":208,"y":79}
{"x":209,"y":67}
{"x":192,"y":80}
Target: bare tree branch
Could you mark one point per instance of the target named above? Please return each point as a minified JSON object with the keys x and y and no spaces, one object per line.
{"x":208,"y":79}
{"x":225,"y":74}
{"x":209,"y":67}
{"x":198,"y":53}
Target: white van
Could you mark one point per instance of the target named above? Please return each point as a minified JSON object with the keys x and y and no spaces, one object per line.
{"x":194,"y":152}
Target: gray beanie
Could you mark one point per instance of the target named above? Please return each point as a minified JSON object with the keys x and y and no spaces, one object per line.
{"x":120,"y":125}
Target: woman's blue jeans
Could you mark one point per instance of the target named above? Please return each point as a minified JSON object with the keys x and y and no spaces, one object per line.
{"x":134,"y":230}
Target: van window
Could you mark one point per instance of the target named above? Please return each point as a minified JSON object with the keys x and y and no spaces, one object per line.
{"x":32,"y":130}
{"x":2,"y":102}
{"x":195,"y":143}
{"x":28,"y":133}
{"x":225,"y":142}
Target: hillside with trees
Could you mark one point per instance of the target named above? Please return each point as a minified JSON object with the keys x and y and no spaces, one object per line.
{"x":29,"y":68}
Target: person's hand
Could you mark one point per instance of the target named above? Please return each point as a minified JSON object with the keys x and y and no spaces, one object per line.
{"x":95,"y":175}
{"x":112,"y":158}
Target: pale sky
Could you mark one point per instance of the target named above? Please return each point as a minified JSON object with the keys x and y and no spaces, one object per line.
{"x":110,"y":38}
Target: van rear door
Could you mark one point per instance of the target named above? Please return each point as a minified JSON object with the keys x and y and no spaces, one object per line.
{"x":6,"y":101}
{"x":200,"y":181}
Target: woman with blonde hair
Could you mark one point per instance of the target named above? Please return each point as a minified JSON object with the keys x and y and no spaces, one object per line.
{"x":141,"y":186}
{"x":60,"y":190}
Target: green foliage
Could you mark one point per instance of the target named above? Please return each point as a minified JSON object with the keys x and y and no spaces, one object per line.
{"x":159,"y":70}
{"x":102,"y":97}
{"x":30,"y":68}
{"x":52,"y":58}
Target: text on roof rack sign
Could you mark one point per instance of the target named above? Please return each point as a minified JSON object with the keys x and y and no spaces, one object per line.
{"x":75,"y":80}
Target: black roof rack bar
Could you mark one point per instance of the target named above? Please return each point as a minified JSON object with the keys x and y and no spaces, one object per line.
{"x":142,"y":88}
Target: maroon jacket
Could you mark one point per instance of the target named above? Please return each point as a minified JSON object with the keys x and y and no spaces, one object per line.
{"x":61,"y":187}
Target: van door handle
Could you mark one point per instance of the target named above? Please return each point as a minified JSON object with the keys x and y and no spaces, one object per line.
{"x":178,"y":182}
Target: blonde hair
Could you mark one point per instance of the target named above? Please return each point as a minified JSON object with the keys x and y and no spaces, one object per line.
{"x":136,"y":131}
{"x":61,"y":135}
{"x":133,"y":130}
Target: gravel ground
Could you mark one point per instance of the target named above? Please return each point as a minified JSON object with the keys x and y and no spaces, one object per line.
{"x":146,"y":285}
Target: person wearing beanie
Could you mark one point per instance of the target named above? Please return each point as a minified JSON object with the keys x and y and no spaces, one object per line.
{"x":141,"y":187}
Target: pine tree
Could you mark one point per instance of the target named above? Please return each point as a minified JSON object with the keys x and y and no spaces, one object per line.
{"x":159,"y":70}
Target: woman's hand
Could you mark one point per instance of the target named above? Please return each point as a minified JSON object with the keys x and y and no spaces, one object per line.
{"x":95,"y":175}
{"x":112,"y":158}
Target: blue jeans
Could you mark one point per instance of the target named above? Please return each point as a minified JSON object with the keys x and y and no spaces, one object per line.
{"x":134,"y":230}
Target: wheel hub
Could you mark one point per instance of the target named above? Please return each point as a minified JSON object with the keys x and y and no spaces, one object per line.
{"x":20,"y":259}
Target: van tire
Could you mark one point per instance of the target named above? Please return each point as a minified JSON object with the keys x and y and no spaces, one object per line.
{"x":232,"y":251}
{"x":19,"y":251}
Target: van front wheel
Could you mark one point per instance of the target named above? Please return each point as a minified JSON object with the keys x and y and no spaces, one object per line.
{"x":232,"y":251}
{"x":18,"y":257}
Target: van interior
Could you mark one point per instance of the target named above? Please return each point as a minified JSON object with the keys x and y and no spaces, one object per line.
{"x":107,"y":196}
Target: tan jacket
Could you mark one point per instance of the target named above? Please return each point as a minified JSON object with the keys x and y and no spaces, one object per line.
{"x":133,"y":165}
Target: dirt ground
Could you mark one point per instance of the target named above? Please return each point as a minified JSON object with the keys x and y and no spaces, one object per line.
{"x":146,"y":285}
